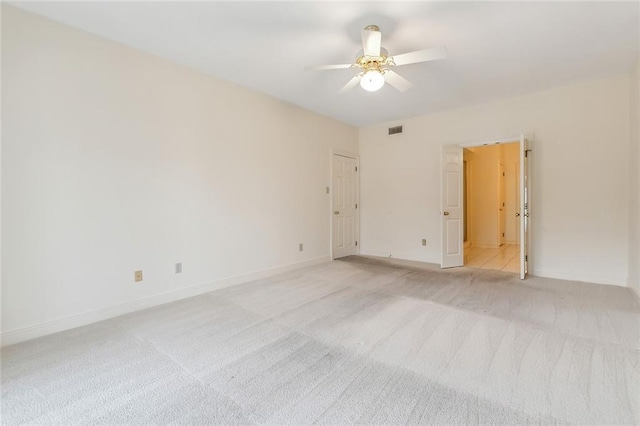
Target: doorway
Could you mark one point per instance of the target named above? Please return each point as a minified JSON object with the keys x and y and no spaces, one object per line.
{"x":486,"y":214}
{"x":345,"y":199}
{"x":492,"y":197}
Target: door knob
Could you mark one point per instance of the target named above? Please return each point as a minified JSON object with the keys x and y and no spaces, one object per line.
{"x":517,"y":214}
{"x":336,"y":212}
{"x":446,"y":213}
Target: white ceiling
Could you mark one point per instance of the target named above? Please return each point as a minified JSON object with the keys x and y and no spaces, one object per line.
{"x":496,"y":50}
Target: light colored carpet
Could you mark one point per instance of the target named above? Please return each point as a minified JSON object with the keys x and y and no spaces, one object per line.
{"x":352,"y":341}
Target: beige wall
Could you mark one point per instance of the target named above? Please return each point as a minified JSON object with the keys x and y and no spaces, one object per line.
{"x":634,"y":186}
{"x":115,"y":160}
{"x":580,"y":178}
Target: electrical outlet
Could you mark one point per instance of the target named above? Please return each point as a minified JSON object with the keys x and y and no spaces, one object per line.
{"x":179,"y":268}
{"x":424,"y":241}
{"x":137,"y":276}
{"x":300,"y":247}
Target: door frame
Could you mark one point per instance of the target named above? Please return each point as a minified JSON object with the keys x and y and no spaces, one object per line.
{"x":355,"y":157}
{"x":520,"y":139}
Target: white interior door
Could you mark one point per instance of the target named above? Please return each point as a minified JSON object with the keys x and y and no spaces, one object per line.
{"x":452,"y":205}
{"x":524,"y":207}
{"x":344,"y":205}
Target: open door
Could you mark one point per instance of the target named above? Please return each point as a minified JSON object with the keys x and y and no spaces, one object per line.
{"x":524,"y":207}
{"x":452,"y":205}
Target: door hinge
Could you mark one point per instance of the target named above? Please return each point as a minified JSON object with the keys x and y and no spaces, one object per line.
{"x":356,"y":244}
{"x":526,"y":258}
{"x":356,"y":168}
{"x":503,"y":234}
{"x":356,"y":205}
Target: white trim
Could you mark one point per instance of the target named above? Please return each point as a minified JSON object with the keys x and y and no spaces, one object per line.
{"x":542,"y":273}
{"x":51,"y":327}
{"x":523,"y":190}
{"x":355,"y":157}
{"x":578,"y":276}
{"x":404,"y":262}
{"x":494,"y":141}
{"x":376,"y":253}
{"x":397,"y":256}
{"x":342,"y":153}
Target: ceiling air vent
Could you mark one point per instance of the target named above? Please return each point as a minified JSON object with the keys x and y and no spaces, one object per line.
{"x":395,"y":130}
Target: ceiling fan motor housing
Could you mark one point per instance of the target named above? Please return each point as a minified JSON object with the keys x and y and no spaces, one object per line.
{"x":373,"y":62}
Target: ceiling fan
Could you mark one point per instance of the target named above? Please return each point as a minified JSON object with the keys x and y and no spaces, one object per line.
{"x":375,"y":63}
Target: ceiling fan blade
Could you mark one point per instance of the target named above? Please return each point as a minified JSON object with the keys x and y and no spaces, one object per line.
{"x":328,"y":67}
{"x":351,"y":83}
{"x":420,"y":56}
{"x":371,"y":41}
{"x":397,"y":81}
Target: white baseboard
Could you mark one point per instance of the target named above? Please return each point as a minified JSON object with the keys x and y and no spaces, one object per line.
{"x":540,"y":272}
{"x":578,"y":276}
{"x":375,"y":253}
{"x":400,"y":256}
{"x":403,"y":261}
{"x":51,"y":327}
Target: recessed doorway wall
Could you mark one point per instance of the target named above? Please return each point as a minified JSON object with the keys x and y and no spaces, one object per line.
{"x":491,"y":194}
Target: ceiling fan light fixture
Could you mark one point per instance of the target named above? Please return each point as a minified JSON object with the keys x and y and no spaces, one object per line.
{"x":375,"y":66}
{"x":372,"y":80}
